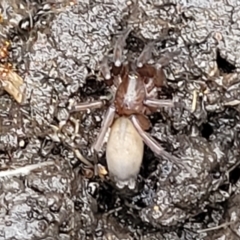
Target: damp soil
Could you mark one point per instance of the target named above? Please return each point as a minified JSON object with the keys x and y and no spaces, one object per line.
{"x":56,"y":47}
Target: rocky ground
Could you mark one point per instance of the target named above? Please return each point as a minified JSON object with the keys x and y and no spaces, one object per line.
{"x":47,"y":192}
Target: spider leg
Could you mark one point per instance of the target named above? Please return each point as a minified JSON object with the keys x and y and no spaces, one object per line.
{"x":86,"y":105}
{"x":157,"y":103}
{"x":157,"y":148}
{"x":107,"y":122}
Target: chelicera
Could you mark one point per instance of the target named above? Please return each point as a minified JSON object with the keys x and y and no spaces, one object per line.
{"x":135,"y":85}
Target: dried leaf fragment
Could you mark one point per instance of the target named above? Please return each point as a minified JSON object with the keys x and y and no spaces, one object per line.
{"x":102,"y":171}
{"x":23,"y":171}
{"x":4,"y":47}
{"x":11,"y":82}
{"x":194,"y":101}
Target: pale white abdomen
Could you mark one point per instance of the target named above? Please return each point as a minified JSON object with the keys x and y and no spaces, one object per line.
{"x":124,"y":151}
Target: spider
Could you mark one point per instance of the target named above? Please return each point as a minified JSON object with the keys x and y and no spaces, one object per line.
{"x":136,"y":85}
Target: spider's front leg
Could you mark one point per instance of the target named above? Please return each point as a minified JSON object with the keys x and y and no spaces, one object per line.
{"x":157,"y":148}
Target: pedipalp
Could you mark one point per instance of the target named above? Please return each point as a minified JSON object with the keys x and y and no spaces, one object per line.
{"x":105,"y":69}
{"x":145,"y":55}
{"x":119,"y":46}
